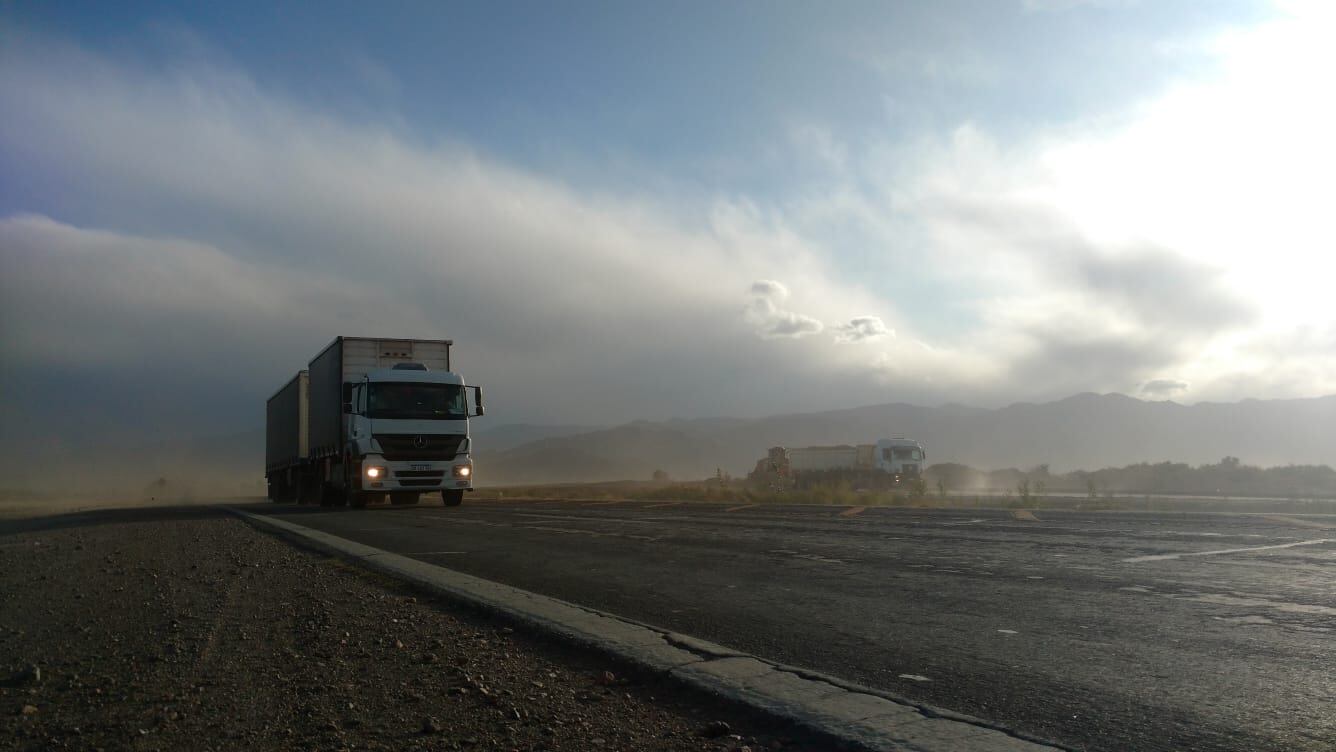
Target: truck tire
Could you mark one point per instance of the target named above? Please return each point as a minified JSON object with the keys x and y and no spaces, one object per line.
{"x":452,"y":498}
{"x":404,"y":497}
{"x":302,"y":492}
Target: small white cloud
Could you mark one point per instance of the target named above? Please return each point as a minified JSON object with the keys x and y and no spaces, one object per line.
{"x":862,"y":329}
{"x":770,"y":320}
{"x":788,"y":324}
{"x":1163,"y":387}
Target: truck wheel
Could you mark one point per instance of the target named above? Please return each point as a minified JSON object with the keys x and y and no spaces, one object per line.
{"x":452,"y":498}
{"x":404,"y":497}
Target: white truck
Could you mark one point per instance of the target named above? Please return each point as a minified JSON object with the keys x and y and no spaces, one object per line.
{"x":898,"y":457}
{"x":370,"y":418}
{"x":894,"y":460}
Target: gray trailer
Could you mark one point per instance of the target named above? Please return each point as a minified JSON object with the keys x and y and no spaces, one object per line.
{"x":286,"y":448}
{"x":383,"y":418}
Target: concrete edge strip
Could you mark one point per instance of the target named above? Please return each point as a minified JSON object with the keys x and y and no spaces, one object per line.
{"x":841,"y":710}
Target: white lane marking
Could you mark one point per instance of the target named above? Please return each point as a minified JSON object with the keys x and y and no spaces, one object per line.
{"x":1008,"y":631}
{"x":1238,"y":600}
{"x":590,"y":533}
{"x":1166,"y":557}
{"x":963,"y":522}
{"x":1300,"y":522}
{"x":433,"y":553}
{"x":805,"y":556}
{"x":915,"y":677}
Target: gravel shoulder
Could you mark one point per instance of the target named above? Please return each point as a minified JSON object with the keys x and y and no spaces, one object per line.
{"x":184,"y":628}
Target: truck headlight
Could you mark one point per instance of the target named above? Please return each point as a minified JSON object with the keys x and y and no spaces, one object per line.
{"x":463,"y":471}
{"x":375,"y":472}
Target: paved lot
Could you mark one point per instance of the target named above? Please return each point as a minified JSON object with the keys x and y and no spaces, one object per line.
{"x":1102,"y":631}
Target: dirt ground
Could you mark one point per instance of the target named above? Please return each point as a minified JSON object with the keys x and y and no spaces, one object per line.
{"x":182,"y":628}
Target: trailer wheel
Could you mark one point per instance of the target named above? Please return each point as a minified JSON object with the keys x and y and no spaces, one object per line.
{"x":452,"y":498}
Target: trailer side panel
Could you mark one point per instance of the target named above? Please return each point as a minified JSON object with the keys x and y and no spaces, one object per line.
{"x":285,"y":425}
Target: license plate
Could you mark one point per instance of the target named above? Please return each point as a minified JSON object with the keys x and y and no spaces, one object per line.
{"x":419,"y":467}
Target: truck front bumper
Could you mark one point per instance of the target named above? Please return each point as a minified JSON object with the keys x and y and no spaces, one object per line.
{"x":379,"y":474}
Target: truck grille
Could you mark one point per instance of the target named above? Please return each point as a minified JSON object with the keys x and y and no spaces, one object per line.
{"x":396,"y":447}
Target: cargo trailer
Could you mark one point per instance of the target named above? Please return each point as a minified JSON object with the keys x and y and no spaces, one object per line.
{"x":286,"y":448}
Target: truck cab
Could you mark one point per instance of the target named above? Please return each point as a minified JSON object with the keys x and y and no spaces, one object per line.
{"x":408,"y":432}
{"x":903,"y":458}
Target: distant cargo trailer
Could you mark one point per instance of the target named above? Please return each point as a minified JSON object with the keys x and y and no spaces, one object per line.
{"x":823,"y":457}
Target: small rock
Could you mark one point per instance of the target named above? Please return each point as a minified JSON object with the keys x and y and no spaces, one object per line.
{"x":29,"y":675}
{"x":715,"y":729}
{"x":29,"y":710}
{"x":430,"y":726}
{"x":606,"y":678}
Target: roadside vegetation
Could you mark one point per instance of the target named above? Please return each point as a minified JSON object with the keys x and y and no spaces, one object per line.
{"x":1227,"y":485}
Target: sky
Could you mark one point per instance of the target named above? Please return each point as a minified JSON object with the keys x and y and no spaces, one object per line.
{"x":652,"y":210}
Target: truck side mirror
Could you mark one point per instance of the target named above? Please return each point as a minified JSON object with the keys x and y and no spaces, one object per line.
{"x":477,"y":400}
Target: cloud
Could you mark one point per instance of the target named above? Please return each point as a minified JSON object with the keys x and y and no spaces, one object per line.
{"x":770,"y":321}
{"x":770,"y":289}
{"x":214,"y":235}
{"x":787,"y":324}
{"x":1164,"y":387}
{"x":862,"y":329}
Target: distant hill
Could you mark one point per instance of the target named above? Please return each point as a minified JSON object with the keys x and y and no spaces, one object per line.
{"x":1084,"y":431}
{"x":511,"y":435}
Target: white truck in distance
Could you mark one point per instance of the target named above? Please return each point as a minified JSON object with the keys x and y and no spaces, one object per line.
{"x":893,"y":460}
{"x":370,"y":418}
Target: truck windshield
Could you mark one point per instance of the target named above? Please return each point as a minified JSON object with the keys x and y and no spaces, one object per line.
{"x":416,"y":401}
{"x":905,"y":453}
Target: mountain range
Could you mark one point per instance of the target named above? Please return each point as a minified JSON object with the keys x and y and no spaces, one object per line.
{"x":1086,"y":431}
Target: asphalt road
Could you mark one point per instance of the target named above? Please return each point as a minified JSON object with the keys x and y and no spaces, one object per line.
{"x":1099,"y":630}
